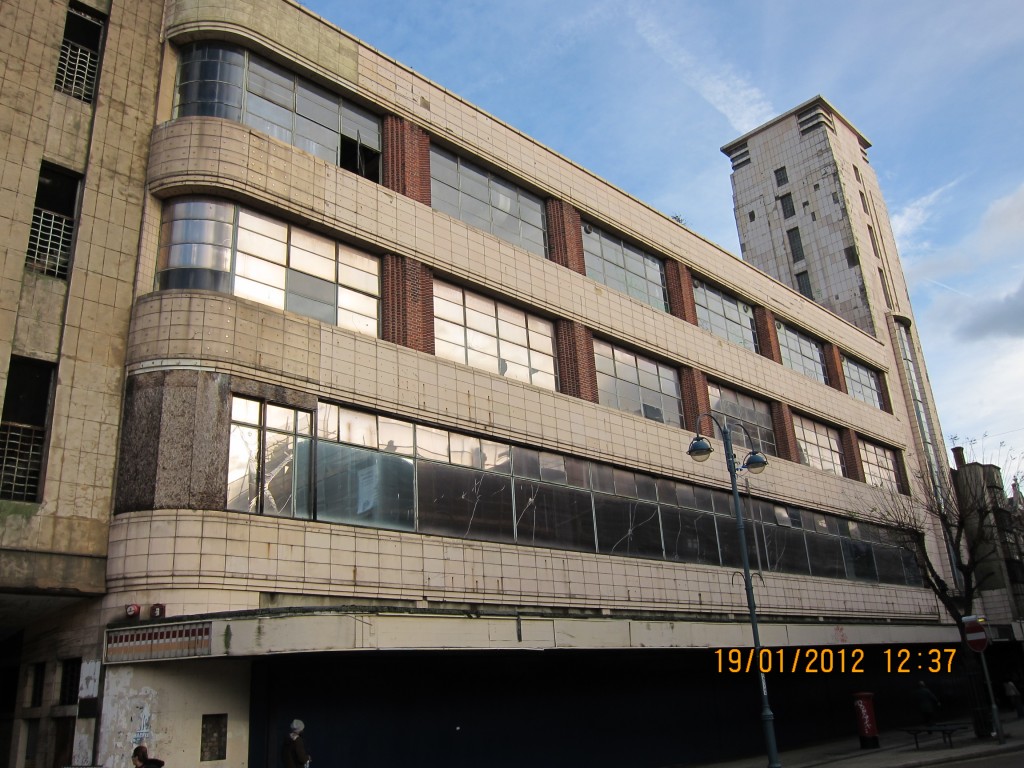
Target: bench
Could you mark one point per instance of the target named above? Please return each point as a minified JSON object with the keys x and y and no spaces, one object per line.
{"x":946,"y":730}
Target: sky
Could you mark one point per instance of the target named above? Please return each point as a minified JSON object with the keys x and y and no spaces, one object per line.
{"x":644,"y":93}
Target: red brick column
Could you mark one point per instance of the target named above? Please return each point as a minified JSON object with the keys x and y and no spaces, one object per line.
{"x":407,"y":303}
{"x":834,"y":367}
{"x":851,"y":452}
{"x":679,"y":281}
{"x":694,"y":386}
{"x":565,"y":236}
{"x":767,"y":337}
{"x":785,"y":435}
{"x":406,"y":159}
{"x":577,"y":372}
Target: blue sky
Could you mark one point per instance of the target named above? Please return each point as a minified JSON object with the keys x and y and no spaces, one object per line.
{"x":644,"y":94}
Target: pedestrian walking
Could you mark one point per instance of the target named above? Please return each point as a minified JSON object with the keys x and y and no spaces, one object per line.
{"x":293,"y":751}
{"x":927,"y":702}
{"x":1013,"y":694}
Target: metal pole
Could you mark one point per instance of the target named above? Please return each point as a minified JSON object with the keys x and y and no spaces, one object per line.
{"x":996,"y":722}
{"x":767,"y":718}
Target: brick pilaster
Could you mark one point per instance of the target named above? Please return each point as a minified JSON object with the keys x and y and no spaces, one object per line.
{"x":694,"y":386}
{"x":406,"y":159}
{"x":851,"y":452}
{"x":834,"y":367}
{"x":679,"y":281}
{"x":767,"y":336}
{"x":407,"y":303}
{"x":565,"y":236}
{"x":785,"y":435}
{"x":577,"y":372}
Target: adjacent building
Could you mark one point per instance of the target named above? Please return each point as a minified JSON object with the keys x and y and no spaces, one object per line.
{"x":330,"y":396}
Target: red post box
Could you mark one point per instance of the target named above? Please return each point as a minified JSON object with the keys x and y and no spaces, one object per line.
{"x":867,"y":727}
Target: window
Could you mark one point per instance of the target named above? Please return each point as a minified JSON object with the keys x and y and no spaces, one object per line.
{"x":219,"y":80}
{"x":486,"y":201}
{"x":53,"y":222}
{"x":801,"y":353}
{"x":788,"y":209}
{"x":781,"y":176}
{"x":850,"y":252}
{"x":213,"y":743}
{"x":70,"y":676}
{"x":922,"y":412}
{"x":755,"y":416}
{"x":885,"y":290}
{"x":803,"y":284}
{"x":269,"y":459}
{"x":79,"y":61}
{"x":751,"y":215}
{"x":862,"y":382}
{"x":637,"y":385}
{"x":376,"y":471}
{"x":624,"y":267}
{"x":486,"y":334}
{"x":215,"y":245}
{"x":725,"y":316}
{"x":879,"y":465}
{"x":864,"y":202}
{"x":796,"y":245}
{"x":23,"y":428}
{"x":856,"y":173}
{"x":35,"y":695}
{"x":819,"y":446}
{"x":874,"y":242}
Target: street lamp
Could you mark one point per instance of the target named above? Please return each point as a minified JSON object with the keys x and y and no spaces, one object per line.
{"x":755,"y":462}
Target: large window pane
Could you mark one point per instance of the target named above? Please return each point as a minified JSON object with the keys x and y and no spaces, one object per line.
{"x":725,"y":315}
{"x":862,"y":382}
{"x":553,"y":516}
{"x":456,"y":501}
{"x":624,"y":267}
{"x":826,"y":554}
{"x":364,"y":487}
{"x":753,"y":415}
{"x":627,"y":527}
{"x":801,"y":353}
{"x":785,"y":549}
{"x":690,"y":536}
{"x":819,"y":445}
{"x":619,"y":384}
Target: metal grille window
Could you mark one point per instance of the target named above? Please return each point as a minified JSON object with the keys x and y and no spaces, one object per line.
{"x":53,"y":222}
{"x":788,"y":209}
{"x":637,"y":385}
{"x":732,"y":407}
{"x":803,"y":284}
{"x":781,"y":176}
{"x":486,"y":334}
{"x":819,"y":445}
{"x":624,"y":267}
{"x":486,"y":201}
{"x":269,"y":459}
{"x":216,"y":245}
{"x":801,"y":353}
{"x":725,"y":315}
{"x":796,"y":245}
{"x":879,"y":465}
{"x":79,"y":62}
{"x":23,"y":428}
{"x":862,"y":382}
{"x":219,"y":80}
{"x":70,"y":676}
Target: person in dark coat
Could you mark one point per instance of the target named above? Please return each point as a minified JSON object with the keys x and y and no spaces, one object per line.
{"x":141,"y":758}
{"x":293,"y":752}
{"x":927,"y":703}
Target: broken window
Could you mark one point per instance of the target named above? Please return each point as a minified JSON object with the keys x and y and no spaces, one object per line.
{"x":53,"y":222}
{"x":23,"y":428}
{"x":79,"y":62}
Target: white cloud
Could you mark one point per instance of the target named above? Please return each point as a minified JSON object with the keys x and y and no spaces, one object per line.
{"x":740,"y":102}
{"x":912,"y":218}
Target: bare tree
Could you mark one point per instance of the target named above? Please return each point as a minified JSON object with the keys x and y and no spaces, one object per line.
{"x":959,"y":513}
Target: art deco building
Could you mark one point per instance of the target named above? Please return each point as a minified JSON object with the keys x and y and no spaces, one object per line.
{"x":330,"y":396}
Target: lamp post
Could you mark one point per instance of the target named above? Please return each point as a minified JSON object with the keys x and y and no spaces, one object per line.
{"x":755,"y":462}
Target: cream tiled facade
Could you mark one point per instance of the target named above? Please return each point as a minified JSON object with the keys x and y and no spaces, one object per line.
{"x":133,"y":509}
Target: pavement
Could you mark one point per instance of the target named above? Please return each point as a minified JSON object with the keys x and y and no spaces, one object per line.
{"x":896,"y":750}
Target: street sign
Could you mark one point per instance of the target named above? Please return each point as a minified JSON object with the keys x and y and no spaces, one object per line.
{"x":977,"y":637}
